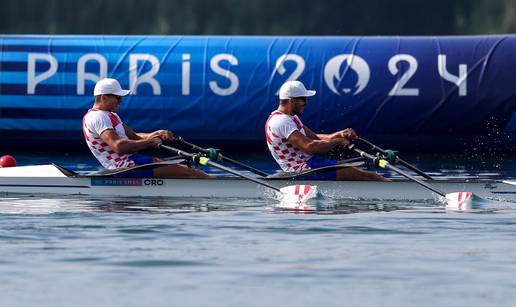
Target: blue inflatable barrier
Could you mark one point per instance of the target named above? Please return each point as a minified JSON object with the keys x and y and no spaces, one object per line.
{"x":411,"y":93}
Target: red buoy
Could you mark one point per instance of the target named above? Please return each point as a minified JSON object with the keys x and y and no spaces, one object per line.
{"x":7,"y":161}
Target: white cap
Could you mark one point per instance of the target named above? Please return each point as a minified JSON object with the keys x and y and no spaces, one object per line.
{"x":294,"y":89}
{"x":109,"y":86}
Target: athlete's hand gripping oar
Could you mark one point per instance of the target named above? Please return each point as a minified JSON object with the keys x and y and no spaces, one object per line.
{"x":215,"y":155}
{"x":292,"y":196}
{"x":393,"y":156}
{"x":455,"y":200}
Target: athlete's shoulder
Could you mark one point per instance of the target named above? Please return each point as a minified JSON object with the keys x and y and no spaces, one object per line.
{"x":98,"y":120}
{"x":297,"y":121}
{"x":93,"y":114}
{"x":278,"y":118}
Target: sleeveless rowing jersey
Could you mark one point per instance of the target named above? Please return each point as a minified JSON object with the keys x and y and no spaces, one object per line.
{"x":93,"y":124}
{"x":278,"y":128}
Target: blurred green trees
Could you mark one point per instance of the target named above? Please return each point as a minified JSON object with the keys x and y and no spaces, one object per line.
{"x":258,"y":17}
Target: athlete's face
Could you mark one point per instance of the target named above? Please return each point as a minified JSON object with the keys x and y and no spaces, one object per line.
{"x":113,"y":102}
{"x":298,"y":105}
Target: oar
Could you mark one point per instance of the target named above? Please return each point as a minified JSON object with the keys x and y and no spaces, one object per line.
{"x":294,"y":195}
{"x":459,"y":200}
{"x":396,"y":158}
{"x":215,"y":155}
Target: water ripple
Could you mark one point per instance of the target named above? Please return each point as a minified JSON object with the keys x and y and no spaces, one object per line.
{"x":158,"y":263}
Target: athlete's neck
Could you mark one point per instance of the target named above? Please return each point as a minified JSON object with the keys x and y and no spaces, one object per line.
{"x":101,"y":107}
{"x":285,"y":110}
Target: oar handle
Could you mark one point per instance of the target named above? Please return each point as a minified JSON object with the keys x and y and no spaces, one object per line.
{"x":220,"y":156}
{"x":399,"y":160}
{"x":385,"y":164}
{"x":207,"y":161}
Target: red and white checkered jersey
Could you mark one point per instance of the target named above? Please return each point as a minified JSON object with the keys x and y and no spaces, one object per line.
{"x":278,"y":128}
{"x":93,"y":124}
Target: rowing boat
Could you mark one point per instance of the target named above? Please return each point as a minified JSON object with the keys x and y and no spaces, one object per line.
{"x":54,"y":179}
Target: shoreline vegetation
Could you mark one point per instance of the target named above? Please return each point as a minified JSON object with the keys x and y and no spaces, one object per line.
{"x":259,"y":17}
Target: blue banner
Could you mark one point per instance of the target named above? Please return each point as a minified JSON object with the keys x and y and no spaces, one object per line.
{"x":420,"y":93}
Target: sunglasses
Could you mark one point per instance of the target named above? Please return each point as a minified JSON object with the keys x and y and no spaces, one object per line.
{"x":303,"y":99}
{"x":114,"y":96}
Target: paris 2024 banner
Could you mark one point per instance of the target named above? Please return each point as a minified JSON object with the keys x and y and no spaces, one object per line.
{"x":409,"y":93}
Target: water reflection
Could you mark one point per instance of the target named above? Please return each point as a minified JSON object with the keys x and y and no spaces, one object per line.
{"x":82,"y":204}
{"x":32,"y":205}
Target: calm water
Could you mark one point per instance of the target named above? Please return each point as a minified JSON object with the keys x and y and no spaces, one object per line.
{"x":80,"y":251}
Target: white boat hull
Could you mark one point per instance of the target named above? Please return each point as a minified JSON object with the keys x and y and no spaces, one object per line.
{"x":49,"y":180}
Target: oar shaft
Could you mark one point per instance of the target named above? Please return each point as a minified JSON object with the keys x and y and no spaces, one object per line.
{"x":234,"y":162}
{"x":255,"y":180}
{"x":193,"y":146}
{"x":221,"y":167}
{"x":426,"y":185}
{"x":244,"y":166}
{"x":386,"y":164}
{"x":373,"y":146}
{"x":401,"y":161}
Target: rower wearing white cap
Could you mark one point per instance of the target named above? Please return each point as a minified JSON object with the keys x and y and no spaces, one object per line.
{"x":115,"y":145}
{"x":296,"y":148}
